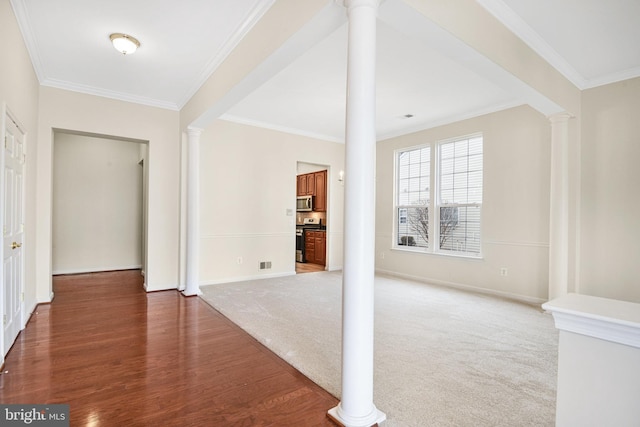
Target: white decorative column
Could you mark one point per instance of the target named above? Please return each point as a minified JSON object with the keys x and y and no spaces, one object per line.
{"x":356,"y":407}
{"x":193,"y":212}
{"x":559,"y":207}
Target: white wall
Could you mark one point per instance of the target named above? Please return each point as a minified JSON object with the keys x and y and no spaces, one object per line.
{"x":610,"y":201}
{"x":598,"y":382}
{"x":248,"y":182}
{"x":97,"y":204}
{"x":75,"y":112}
{"x":515,"y":211}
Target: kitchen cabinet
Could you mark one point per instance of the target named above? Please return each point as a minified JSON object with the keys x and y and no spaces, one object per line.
{"x":315,"y":247}
{"x":302,"y":185}
{"x":311,"y":185}
{"x":314,"y":184}
{"x":320,"y":182}
{"x":321,"y":248}
{"x":306,"y":185}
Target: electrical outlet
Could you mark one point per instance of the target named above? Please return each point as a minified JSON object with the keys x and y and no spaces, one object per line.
{"x":504,"y":272}
{"x":239,"y":260}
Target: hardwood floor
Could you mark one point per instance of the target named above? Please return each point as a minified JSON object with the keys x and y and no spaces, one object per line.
{"x":120,"y":356}
{"x":307,"y":267}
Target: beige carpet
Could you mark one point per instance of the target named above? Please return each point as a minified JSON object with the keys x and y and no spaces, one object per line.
{"x":443,"y":357}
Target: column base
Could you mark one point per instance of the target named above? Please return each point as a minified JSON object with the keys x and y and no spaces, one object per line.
{"x":190,"y":293}
{"x":338,"y":416}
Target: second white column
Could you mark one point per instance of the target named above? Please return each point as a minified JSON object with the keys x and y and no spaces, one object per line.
{"x":193,"y":213}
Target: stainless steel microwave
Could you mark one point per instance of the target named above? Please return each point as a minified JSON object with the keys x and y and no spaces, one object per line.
{"x":304,"y":204}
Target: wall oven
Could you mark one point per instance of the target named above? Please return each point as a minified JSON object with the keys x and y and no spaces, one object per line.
{"x":304,"y":204}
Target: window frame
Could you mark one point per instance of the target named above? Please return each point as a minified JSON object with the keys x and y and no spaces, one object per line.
{"x":435,"y":204}
{"x":397,"y":207}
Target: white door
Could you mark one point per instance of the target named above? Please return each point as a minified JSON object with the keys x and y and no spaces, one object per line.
{"x":13,"y":231}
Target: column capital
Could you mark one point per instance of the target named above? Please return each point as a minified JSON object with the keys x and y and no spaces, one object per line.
{"x":194,"y":131}
{"x":559,"y":117}
{"x":350,"y":4}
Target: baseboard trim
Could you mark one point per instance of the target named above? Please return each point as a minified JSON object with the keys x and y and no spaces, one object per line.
{"x":29,"y":313}
{"x":463,"y":287}
{"x":246,"y":278}
{"x":95,"y":270}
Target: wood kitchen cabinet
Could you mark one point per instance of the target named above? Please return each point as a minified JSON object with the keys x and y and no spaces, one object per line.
{"x":321,"y":248}
{"x":302,"y":185}
{"x":314,"y":184}
{"x":311,"y":185}
{"x":306,"y":185}
{"x":315,"y":247}
{"x":320,"y":183}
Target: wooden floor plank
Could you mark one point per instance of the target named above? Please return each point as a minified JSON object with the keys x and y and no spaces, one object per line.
{"x":120,"y":356}
{"x":307,"y":267}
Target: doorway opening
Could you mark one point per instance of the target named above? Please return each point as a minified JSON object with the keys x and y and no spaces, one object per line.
{"x":312,"y":217}
{"x":99,"y":203}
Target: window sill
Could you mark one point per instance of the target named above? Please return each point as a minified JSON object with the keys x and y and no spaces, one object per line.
{"x":442,"y":254}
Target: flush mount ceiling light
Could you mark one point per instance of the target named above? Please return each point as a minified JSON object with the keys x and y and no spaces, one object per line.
{"x":124,"y":44}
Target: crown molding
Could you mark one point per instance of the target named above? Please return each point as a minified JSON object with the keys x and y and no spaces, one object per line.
{"x":22,"y":17}
{"x":120,"y":96}
{"x":619,"y":76}
{"x":278,"y":128}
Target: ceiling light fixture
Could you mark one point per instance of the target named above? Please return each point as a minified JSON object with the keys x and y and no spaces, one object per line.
{"x":124,"y":44}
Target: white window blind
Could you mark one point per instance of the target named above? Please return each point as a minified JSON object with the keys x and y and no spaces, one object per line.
{"x":413,"y":196}
{"x":460,"y":195}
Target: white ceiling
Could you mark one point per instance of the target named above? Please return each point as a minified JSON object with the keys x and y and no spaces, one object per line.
{"x":419,"y":72}
{"x":181,"y":44}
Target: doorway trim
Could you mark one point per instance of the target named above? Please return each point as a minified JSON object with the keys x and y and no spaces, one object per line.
{"x":315,"y":166}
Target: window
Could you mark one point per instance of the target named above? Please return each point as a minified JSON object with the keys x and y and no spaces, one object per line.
{"x":455,"y":205}
{"x":414,"y":172}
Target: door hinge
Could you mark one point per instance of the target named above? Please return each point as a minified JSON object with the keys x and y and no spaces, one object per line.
{"x":4,"y":320}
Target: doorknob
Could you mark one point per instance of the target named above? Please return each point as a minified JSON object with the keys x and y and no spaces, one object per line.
{"x":15,"y":245}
